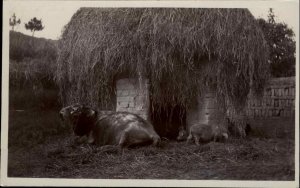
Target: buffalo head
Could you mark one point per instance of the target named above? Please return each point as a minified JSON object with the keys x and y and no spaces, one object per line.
{"x":81,"y":118}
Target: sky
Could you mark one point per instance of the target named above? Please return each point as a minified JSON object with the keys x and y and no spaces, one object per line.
{"x":56,"y":14}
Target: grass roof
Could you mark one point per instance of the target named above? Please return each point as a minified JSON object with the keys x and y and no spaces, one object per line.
{"x":180,"y":50}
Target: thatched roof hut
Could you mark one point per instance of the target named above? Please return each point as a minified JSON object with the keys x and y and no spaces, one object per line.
{"x":180,"y":50}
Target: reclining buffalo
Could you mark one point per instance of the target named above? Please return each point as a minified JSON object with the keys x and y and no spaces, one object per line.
{"x":120,"y":128}
{"x":203,"y":133}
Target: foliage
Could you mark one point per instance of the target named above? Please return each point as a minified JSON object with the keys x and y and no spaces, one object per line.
{"x":34,"y":73}
{"x":13,"y":21}
{"x":34,"y":25}
{"x":23,"y":47}
{"x":282,"y":46}
{"x":181,"y":51}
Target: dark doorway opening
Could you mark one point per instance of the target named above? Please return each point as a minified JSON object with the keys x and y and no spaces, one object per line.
{"x":167,"y":120}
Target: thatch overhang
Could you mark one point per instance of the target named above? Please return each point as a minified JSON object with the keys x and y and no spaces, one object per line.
{"x":180,"y":50}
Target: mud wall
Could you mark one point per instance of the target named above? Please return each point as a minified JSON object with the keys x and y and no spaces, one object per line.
{"x":205,"y":111}
{"x":278,"y":100}
{"x":273,"y":115}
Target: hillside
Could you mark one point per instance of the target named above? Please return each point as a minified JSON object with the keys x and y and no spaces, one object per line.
{"x":31,"y":71}
{"x":23,"y":46}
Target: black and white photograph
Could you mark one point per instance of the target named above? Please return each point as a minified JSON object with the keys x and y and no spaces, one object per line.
{"x":150,"y":93}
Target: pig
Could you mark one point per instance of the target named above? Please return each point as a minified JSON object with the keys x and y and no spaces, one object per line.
{"x":206,"y":133}
{"x":182,"y":134}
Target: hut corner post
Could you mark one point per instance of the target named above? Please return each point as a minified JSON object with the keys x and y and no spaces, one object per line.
{"x":205,"y":111}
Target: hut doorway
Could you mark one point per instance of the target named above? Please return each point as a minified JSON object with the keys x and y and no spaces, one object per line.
{"x":167,"y":120}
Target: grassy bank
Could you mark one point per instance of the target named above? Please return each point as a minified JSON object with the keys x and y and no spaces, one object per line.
{"x":31,"y":127}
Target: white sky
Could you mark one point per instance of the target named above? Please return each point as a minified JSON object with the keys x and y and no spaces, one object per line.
{"x":56,"y":14}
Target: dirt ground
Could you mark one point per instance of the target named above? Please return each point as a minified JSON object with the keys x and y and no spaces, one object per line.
{"x":247,"y":159}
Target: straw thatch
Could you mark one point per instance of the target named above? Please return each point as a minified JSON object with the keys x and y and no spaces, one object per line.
{"x":181,"y":51}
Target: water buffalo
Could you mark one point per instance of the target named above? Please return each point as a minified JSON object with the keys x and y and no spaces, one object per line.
{"x":119,"y":128}
{"x":203,"y":133}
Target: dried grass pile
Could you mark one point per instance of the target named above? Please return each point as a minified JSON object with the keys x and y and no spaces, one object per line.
{"x":181,"y":51}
